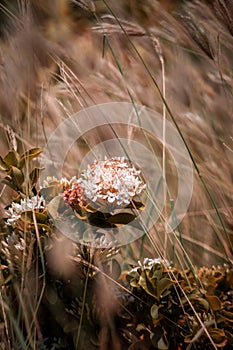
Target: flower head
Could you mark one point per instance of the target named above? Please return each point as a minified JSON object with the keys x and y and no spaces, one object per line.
{"x":16,"y":209}
{"x":74,"y":195}
{"x":114,"y":181}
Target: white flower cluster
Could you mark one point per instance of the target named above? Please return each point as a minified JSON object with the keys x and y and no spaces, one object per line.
{"x":148,"y":262}
{"x":16,"y":209}
{"x":113,"y":180}
{"x":50,"y":180}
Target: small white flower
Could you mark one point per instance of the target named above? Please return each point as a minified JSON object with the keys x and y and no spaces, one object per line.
{"x":16,"y":209}
{"x":21,"y":245}
{"x":50,"y":180}
{"x":66,"y":183}
{"x":148,"y":262}
{"x":114,"y":180}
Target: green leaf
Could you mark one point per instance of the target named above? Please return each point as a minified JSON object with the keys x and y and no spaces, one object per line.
{"x":141,"y":327}
{"x":12,"y":158}
{"x":154,"y":311}
{"x":3,"y":165}
{"x":17,"y":176}
{"x":41,"y":218}
{"x":157,"y":271}
{"x":2,"y":279}
{"x":162,"y":285}
{"x":219,"y":337}
{"x":226,"y":316}
{"x":27,"y":217}
{"x":34,"y":176}
{"x":50,"y":192}
{"x":158,"y":339}
{"x":81,"y":215}
{"x":214,"y":301}
{"x":54,"y":205}
{"x":8,"y":181}
{"x":99,"y":222}
{"x":133,"y":273}
{"x":145,"y":283}
{"x":202,"y":302}
{"x":162,"y":344}
{"x":29,"y":155}
{"x":89,"y":209}
{"x":136,"y":205}
{"x":121,"y":218}
{"x":134,"y":283}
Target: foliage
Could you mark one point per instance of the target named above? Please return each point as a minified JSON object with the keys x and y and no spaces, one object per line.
{"x":179,"y":310}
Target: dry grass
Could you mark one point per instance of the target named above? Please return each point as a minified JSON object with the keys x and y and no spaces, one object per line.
{"x":56,"y":59}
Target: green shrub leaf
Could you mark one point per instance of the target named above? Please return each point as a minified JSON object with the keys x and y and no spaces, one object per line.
{"x":16,"y":176}
{"x":154,"y":311}
{"x":29,"y":155}
{"x":162,"y":285}
{"x":215,"y":303}
{"x":3,"y":165}
{"x":34,"y":176}
{"x":121,"y":218}
{"x":219,"y":337}
{"x":12,"y":158}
